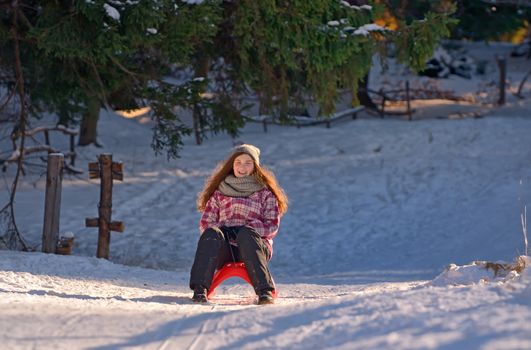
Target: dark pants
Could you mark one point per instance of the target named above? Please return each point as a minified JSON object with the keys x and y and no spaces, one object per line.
{"x":214,"y":251}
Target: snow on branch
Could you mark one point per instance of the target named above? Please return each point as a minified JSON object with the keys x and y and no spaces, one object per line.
{"x":112,"y":12}
{"x":47,"y":148}
{"x":34,"y":149}
{"x":38,"y":149}
{"x":363,"y":30}
{"x":193,"y":2}
{"x":61,"y":128}
{"x":368,"y":28}
{"x":354,"y":7}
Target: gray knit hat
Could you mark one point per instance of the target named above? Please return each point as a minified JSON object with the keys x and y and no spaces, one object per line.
{"x":252,"y":151}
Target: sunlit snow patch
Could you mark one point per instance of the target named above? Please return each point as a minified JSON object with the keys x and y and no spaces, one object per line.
{"x":481,"y":272}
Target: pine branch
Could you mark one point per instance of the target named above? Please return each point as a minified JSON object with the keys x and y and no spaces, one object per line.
{"x":100,"y":82}
{"x":24,"y":18}
{"x":124,"y":69}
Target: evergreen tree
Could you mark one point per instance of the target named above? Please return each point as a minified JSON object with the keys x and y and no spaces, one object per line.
{"x":288,"y":51}
{"x":79,"y":55}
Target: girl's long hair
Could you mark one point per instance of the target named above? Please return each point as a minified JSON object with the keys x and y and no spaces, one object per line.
{"x":262,"y":175}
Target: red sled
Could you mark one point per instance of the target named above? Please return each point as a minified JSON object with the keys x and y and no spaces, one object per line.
{"x":233,"y":269}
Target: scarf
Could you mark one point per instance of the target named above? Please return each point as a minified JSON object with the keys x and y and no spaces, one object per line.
{"x":234,"y":186}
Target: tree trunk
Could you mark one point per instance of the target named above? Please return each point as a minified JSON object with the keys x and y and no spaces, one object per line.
{"x":363,"y":93}
{"x":89,"y":123}
{"x":201,"y":70}
{"x":196,"y":112}
{"x":64,"y":118}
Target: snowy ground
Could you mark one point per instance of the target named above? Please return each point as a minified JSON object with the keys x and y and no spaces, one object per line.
{"x":378,"y":209}
{"x":58,"y":302}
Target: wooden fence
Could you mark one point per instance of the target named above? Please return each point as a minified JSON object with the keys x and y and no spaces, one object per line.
{"x":106,"y":170}
{"x":46,"y":147}
{"x":299,"y":121}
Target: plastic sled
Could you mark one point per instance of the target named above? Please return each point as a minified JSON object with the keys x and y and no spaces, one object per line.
{"x":233,"y":269}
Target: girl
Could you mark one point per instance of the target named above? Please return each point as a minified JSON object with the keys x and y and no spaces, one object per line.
{"x":241,"y":206}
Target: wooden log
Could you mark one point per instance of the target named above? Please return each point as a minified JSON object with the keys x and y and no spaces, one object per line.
{"x":345,"y":114}
{"x":52,"y":204}
{"x":105,"y":206}
{"x":64,"y":246}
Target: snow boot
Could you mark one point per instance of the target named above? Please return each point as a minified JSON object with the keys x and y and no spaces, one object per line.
{"x":265,"y":297}
{"x":200,"y":295}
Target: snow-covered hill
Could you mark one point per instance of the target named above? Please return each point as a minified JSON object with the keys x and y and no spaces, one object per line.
{"x":378,"y":210}
{"x":368,"y":195}
{"x":58,"y":302}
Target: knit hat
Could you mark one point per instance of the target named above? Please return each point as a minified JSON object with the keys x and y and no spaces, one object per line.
{"x":252,"y":151}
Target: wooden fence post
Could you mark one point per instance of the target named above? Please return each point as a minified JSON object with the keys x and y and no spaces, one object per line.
{"x":502,"y":64}
{"x":107,"y":171}
{"x":47,"y":137}
{"x":73,"y":150}
{"x":409,"y":117}
{"x":52,"y":204}
{"x":382,"y":109}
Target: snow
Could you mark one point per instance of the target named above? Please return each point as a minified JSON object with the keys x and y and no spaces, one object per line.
{"x":367,"y":28}
{"x":68,"y":234}
{"x":383,"y":246}
{"x":60,"y":302}
{"x":354,"y":7}
{"x":112,"y":12}
{"x":193,"y":2}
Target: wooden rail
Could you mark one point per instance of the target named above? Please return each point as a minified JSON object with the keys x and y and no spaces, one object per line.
{"x":298,"y":121}
{"x":46,"y":147}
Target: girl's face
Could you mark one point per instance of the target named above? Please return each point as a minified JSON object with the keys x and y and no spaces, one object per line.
{"x":243,"y":165}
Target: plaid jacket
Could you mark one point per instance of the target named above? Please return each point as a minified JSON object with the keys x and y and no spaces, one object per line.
{"x":259,"y":211}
